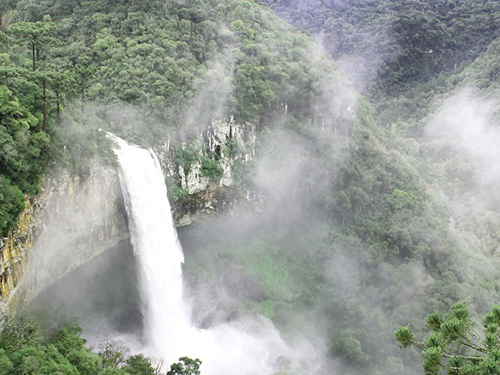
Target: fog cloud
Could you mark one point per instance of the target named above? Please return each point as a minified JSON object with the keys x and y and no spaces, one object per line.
{"x":466,"y":122}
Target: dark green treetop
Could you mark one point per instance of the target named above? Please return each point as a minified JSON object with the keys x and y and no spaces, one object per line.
{"x":185,"y":366}
{"x":455,"y":346}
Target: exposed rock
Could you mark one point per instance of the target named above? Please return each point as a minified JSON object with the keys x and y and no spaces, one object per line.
{"x":229,"y":143}
{"x":78,"y":220}
{"x":14,"y":252}
{"x":213,"y":201}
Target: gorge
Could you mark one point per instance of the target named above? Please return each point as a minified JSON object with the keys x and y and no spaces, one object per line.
{"x":168,"y":331}
{"x":329,"y":182}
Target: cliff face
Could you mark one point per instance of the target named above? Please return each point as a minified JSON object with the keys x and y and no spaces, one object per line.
{"x":231,"y":145}
{"x":14,"y":252}
{"x":76,"y":220}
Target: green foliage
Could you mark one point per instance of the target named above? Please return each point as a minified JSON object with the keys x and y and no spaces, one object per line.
{"x":397,"y":43}
{"x":139,"y":365}
{"x":180,"y":194}
{"x":11,"y":203}
{"x":158,"y":59}
{"x":269,"y":269}
{"x":28,"y":347}
{"x":231,"y":149}
{"x":347,"y":347}
{"x":36,"y":34}
{"x":253,"y":92}
{"x":265,"y":267}
{"x":185,"y":156}
{"x":19,"y":332}
{"x":186,"y":366}
{"x":485,"y":71}
{"x":211,"y":168}
{"x":359,"y":236}
{"x":32,"y":90}
{"x":155,"y":55}
{"x":78,"y":142}
{"x":23,"y":155}
{"x":69,"y":343}
{"x":455,"y":347}
{"x":405,"y":337}
{"x":382,"y":201}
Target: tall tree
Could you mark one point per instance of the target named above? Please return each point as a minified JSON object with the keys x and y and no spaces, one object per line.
{"x":185,"y":366}
{"x":454,"y":346}
{"x":36,"y":34}
{"x":83,"y":74}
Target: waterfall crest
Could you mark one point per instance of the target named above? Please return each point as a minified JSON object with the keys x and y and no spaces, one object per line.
{"x":246,"y":346}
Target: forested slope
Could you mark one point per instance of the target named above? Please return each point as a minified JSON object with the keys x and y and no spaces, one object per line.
{"x":24,"y":141}
{"x":358,"y":230}
{"x":395,"y":44}
{"x":439,"y":103}
{"x":149,"y":69}
{"x":30,"y":347}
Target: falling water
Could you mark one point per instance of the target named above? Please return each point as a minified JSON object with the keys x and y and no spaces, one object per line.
{"x":248,"y":346}
{"x":156,"y":247}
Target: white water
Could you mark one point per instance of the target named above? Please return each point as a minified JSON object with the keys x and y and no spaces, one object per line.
{"x":249,"y":346}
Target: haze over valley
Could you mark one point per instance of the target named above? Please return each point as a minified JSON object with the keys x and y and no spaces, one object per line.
{"x":272,"y":187}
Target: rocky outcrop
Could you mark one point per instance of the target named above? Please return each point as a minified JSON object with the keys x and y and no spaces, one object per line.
{"x":230,"y":145}
{"x":14,"y":252}
{"x":78,"y":220}
{"x":215,"y":200}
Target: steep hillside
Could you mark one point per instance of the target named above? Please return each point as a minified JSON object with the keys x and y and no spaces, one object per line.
{"x":395,"y":44}
{"x":357,"y":229}
{"x":153,"y":71}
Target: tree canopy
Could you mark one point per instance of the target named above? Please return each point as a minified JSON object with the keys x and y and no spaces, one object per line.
{"x":455,"y":346}
{"x":28,"y":347}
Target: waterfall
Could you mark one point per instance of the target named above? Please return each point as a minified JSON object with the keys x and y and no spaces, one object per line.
{"x":156,"y":247}
{"x":247,"y":346}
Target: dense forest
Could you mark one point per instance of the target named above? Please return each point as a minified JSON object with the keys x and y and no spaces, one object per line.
{"x":381,"y":201}
{"x":395,"y":44}
{"x":156,"y":60}
{"x":30,"y":347}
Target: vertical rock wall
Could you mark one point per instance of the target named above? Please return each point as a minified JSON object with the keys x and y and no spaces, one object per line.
{"x":229,"y":143}
{"x":76,"y":219}
{"x":14,"y":252}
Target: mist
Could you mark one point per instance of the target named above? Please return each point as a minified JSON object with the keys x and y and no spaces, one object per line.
{"x":246,"y":293}
{"x":461,"y":141}
{"x":360,"y":48}
{"x":251,"y":343}
{"x":212,"y":92}
{"x":318,"y":209}
{"x":468,"y":124}
{"x":261,"y":283}
{"x":101,"y":296}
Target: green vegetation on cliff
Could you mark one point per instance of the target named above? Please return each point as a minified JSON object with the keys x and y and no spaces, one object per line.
{"x":143,"y":70}
{"x":181,"y":64}
{"x":24,"y":136}
{"x":370,"y":217}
